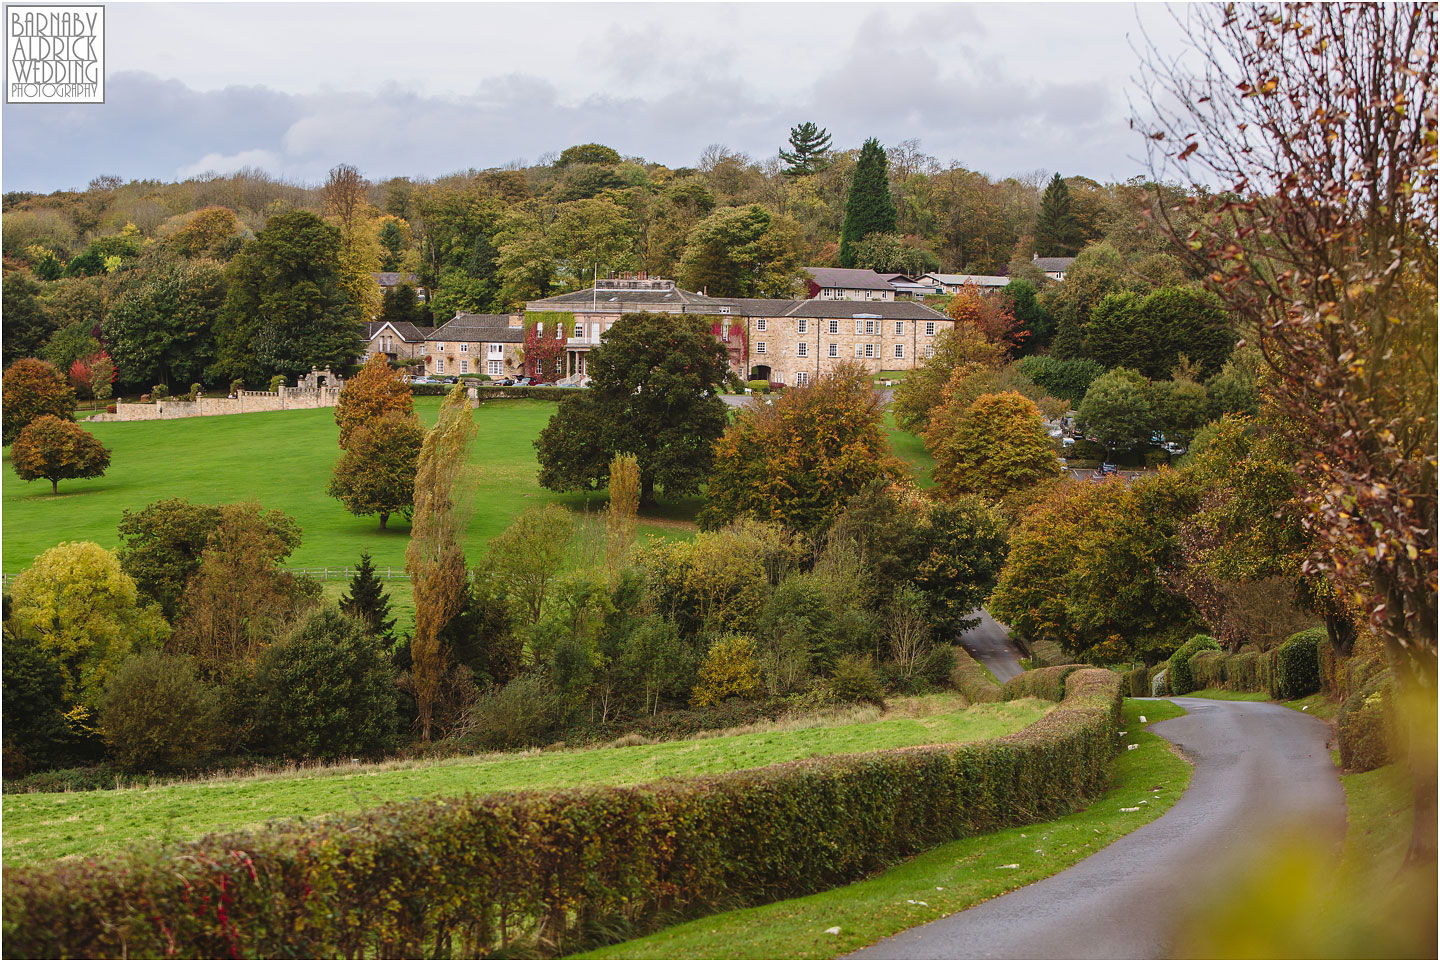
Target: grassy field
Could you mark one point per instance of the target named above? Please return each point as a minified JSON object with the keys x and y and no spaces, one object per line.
{"x":41,"y":826}
{"x":946,"y":879}
{"x":283,"y":459}
{"x":910,"y":449}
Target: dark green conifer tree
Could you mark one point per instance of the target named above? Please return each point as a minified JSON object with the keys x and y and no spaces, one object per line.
{"x":1057,"y":232}
{"x":368,"y":602}
{"x":868,"y":208}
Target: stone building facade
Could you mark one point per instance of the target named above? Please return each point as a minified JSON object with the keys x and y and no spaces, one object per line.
{"x":781,"y":340}
{"x":489,"y":344}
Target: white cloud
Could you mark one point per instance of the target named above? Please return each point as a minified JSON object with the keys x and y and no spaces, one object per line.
{"x":229,"y":163}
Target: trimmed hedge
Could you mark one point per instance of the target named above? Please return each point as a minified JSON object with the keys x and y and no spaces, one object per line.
{"x":1297,"y":664}
{"x":1367,"y":726}
{"x":970,"y":680}
{"x":1207,"y":669}
{"x":533,"y":392}
{"x":1136,"y":682}
{"x":1179,"y":679}
{"x":1047,"y":683}
{"x":1160,"y":683}
{"x":530,"y":873}
{"x":1047,"y":654}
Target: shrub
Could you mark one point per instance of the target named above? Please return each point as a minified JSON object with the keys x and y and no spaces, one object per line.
{"x":276,"y":383}
{"x":1156,"y":458}
{"x":157,"y":713}
{"x":1046,"y":683}
{"x":1207,"y":669}
{"x":1086,"y":450}
{"x":553,"y":873}
{"x":970,"y":680}
{"x":194,"y":392}
{"x":729,"y":669}
{"x":1180,"y":681}
{"x":517,"y":716}
{"x":938,"y":665}
{"x":1160,"y":683}
{"x":1297,"y":664}
{"x":237,"y":385}
{"x":1367,"y":727}
{"x":1136,"y":682}
{"x":759,"y":387}
{"x":535,"y":392}
{"x":855,"y":680}
{"x":328,"y":689}
{"x":160,"y":392}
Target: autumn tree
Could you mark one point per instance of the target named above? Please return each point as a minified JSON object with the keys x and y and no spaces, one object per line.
{"x":34,"y":388}
{"x":923,"y":389}
{"x":376,"y":473}
{"x":652,"y":394}
{"x":239,"y":600}
{"x":809,"y":145}
{"x":86,"y":616}
{"x":588,"y":233}
{"x":868,"y":206}
{"x":991,"y":314}
{"x":1085,"y":570}
{"x":435,"y":556}
{"x":990,"y":447}
{"x":798,"y":460}
{"x":57,"y":450}
{"x":211,"y":232}
{"x":376,"y":391}
{"x":527,"y":556}
{"x":621,"y":510}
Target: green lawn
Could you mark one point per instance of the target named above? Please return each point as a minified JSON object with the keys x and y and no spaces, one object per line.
{"x":40,"y":826}
{"x":946,"y":879}
{"x":910,"y":449}
{"x":282,"y":459}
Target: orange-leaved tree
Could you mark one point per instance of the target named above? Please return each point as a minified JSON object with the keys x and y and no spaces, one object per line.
{"x":56,"y":450}
{"x":377,"y":390}
{"x":991,"y":447}
{"x":801,"y":458}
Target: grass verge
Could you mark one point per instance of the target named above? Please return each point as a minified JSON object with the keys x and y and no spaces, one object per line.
{"x":946,"y":879}
{"x":39,"y":826}
{"x":1320,"y":705}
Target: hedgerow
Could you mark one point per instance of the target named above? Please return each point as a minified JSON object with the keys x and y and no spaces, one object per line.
{"x":970,"y":680}
{"x":1136,"y":682}
{"x":1047,"y":683}
{"x":1366,"y":725}
{"x":532,"y":873}
{"x":1179,"y":678}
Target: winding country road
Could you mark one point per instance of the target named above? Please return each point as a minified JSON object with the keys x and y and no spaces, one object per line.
{"x":989,"y":644}
{"x":1256,"y":764}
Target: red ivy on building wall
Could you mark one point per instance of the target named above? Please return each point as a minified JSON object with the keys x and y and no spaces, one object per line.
{"x":545,"y":355}
{"x":735,"y":346}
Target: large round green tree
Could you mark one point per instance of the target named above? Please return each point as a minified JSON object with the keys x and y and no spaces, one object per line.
{"x":652,"y":394}
{"x":286,"y":310}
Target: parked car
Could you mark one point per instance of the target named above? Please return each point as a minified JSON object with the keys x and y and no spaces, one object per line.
{"x":1108,"y":468}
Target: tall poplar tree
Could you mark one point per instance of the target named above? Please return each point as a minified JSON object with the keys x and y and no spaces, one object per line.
{"x":868,"y":208}
{"x":1057,"y":232}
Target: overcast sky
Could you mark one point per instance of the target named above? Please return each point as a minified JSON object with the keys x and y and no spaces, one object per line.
{"x":426,"y":89}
